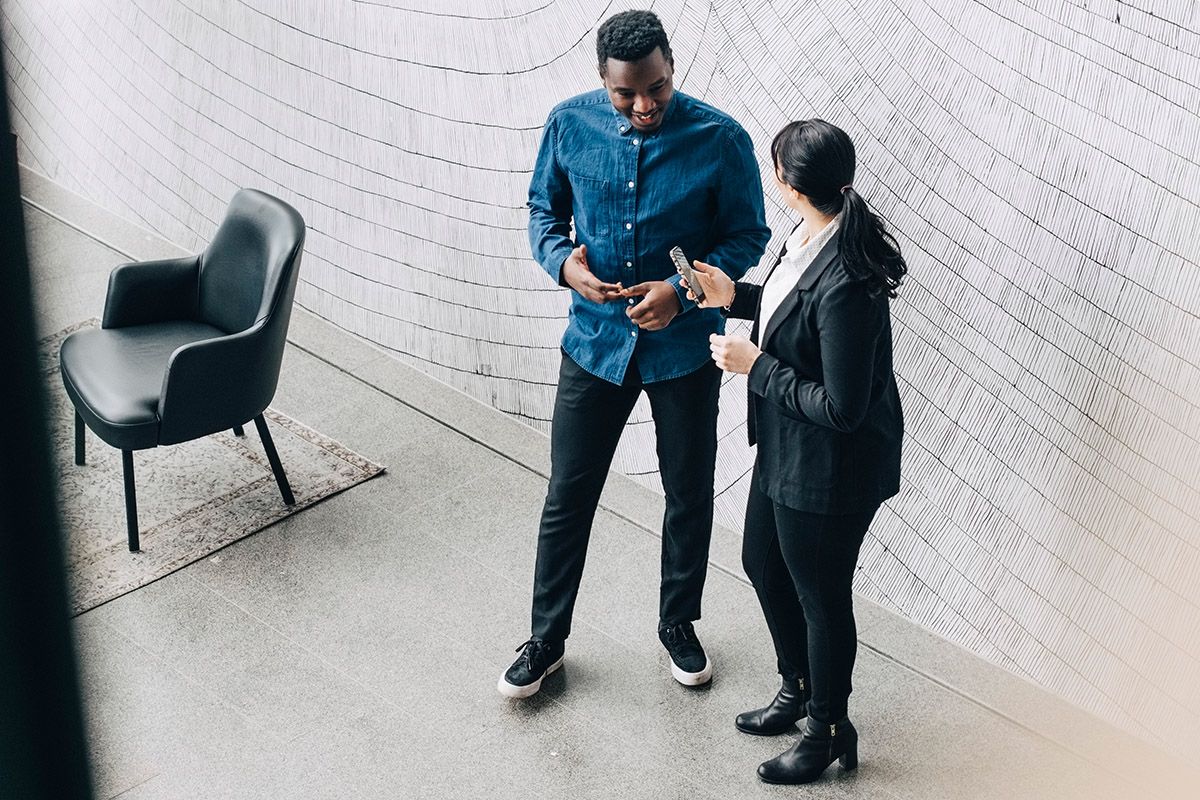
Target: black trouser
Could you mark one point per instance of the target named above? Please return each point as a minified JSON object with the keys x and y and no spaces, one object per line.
{"x":802,"y":566}
{"x":589,"y":415}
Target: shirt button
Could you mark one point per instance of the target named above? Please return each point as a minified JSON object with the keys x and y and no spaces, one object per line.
{"x":635,"y":142}
{"x":633,"y":333}
{"x":631,"y":184}
{"x":631,"y":301}
{"x":628,"y":226}
{"x":629,"y":263}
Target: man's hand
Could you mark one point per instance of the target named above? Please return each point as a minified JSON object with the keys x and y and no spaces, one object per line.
{"x":578,"y":275}
{"x":733,"y":353}
{"x":658,"y":307}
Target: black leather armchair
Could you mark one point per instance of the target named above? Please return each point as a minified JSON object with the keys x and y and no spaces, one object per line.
{"x":190,"y":346}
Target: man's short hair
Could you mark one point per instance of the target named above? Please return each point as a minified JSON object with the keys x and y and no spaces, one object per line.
{"x":631,"y":36}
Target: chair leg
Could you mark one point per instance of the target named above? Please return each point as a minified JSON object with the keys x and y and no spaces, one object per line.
{"x":285,"y":488}
{"x":80,"y":442}
{"x":237,"y":431}
{"x":131,"y":520}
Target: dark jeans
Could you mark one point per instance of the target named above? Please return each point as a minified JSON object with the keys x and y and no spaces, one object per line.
{"x":802,"y":565}
{"x":589,"y":415}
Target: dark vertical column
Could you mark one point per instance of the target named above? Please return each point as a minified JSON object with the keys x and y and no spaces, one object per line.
{"x":42,"y":750}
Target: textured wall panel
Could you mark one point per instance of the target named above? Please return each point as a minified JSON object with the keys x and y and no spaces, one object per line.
{"x":1039,"y":159}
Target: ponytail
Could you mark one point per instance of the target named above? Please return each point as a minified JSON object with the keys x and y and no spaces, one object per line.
{"x":868,"y":250}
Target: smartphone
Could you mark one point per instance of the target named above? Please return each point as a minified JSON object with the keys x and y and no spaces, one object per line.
{"x":684,"y":268}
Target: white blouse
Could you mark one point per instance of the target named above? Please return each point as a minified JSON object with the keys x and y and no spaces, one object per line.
{"x":802,"y":250}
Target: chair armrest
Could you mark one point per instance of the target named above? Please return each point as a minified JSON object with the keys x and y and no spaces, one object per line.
{"x":218,"y":383}
{"x":152,"y":291}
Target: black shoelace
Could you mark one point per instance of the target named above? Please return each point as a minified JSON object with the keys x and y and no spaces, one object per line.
{"x":533,"y":649}
{"x":680,"y":633}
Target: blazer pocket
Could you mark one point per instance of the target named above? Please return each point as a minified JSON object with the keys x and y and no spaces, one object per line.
{"x":809,"y":451}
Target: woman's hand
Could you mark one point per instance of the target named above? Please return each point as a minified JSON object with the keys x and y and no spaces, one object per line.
{"x":718,"y":288}
{"x":733,"y":353}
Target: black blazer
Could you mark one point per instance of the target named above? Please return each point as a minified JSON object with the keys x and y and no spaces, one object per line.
{"x":823,"y":406}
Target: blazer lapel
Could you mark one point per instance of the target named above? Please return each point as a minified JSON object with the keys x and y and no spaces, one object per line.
{"x":758,"y":321}
{"x":782,"y":251}
{"x":808,"y":279}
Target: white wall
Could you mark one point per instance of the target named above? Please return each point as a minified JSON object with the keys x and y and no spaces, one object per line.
{"x":1038,"y":160}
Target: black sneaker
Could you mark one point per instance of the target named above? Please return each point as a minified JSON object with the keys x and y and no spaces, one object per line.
{"x":689,"y":664}
{"x":537,"y":660}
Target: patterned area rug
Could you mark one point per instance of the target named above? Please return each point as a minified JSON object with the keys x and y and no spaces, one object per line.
{"x":193,"y":498}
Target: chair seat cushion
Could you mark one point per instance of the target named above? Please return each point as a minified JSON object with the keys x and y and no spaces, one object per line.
{"x":114,"y":377}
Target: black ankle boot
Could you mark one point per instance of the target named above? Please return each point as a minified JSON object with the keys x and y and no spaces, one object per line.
{"x":821,"y":745}
{"x":780,"y":715}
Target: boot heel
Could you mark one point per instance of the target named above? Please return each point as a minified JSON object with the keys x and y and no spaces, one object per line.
{"x":849,"y":759}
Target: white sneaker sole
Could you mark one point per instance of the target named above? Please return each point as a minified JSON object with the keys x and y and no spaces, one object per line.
{"x":692,"y":678}
{"x":519,"y":692}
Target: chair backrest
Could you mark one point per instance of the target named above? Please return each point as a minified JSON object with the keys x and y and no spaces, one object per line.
{"x":248,"y":275}
{"x":248,"y":270}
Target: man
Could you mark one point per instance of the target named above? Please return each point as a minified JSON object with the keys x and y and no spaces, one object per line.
{"x":640,"y":168}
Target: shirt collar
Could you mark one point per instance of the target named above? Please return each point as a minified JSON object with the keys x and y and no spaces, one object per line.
{"x":795,"y":242}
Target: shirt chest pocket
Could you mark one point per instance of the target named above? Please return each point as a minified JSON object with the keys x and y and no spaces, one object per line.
{"x":592,"y":202}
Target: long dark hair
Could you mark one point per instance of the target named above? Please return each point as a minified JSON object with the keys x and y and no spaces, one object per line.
{"x":817,"y":160}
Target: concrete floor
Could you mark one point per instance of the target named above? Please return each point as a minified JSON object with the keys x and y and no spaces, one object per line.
{"x":351,"y":651}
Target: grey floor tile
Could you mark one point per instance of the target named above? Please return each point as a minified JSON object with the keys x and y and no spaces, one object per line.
{"x":948,"y":745}
{"x":257,"y":770}
{"x":272,"y":680}
{"x":571,"y":760}
{"x":634,"y":502}
{"x":128,"y":687}
{"x":341,"y":406}
{"x":868,"y":614}
{"x":97,"y":221}
{"x":386,"y":754}
{"x":495,"y":519}
{"x":68,"y":272}
{"x":633,"y":696}
{"x":489,"y":426}
{"x":619,"y":595}
{"x":421,"y":470}
{"x":330,"y":343}
{"x":146,"y":719}
{"x":726,"y":551}
{"x":391,"y":432}
{"x":1086,"y":737}
{"x":372,"y":585}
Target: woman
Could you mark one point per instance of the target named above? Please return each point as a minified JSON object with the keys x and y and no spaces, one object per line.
{"x":825,"y":414}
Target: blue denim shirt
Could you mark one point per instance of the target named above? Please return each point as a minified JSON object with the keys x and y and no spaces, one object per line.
{"x":693,"y":183}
